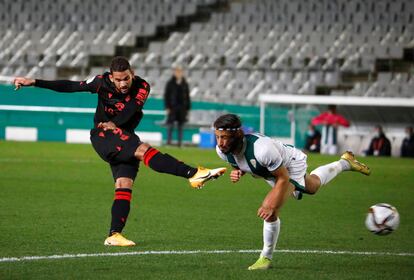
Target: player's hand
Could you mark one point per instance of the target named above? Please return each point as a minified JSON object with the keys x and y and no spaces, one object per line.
{"x":21,"y":81}
{"x":107,"y":126}
{"x":265,"y":212}
{"x":235,"y":175}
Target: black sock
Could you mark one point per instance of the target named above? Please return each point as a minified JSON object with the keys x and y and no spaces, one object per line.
{"x":164,"y":163}
{"x":120,"y":209}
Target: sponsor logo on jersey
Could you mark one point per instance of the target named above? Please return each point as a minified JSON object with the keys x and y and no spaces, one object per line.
{"x":253,"y":162}
{"x":120,"y":106}
{"x":141,"y":96}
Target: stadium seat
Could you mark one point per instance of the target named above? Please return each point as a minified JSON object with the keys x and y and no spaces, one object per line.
{"x":259,"y":36}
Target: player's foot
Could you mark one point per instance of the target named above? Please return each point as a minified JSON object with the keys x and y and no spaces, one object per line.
{"x":355,"y":165}
{"x":203,"y":175}
{"x":261,"y":264}
{"x":117,"y":239}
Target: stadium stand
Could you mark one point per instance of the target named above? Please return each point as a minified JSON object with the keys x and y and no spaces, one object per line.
{"x":40,"y":37}
{"x":285,"y":46}
{"x":300,"y":47}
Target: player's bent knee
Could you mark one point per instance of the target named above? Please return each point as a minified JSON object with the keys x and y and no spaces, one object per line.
{"x":139,"y":153}
{"x":311,"y":189}
{"x":124,"y":182}
{"x":312,"y":184}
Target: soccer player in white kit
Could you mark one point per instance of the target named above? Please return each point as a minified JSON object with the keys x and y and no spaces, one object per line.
{"x":282,"y":166}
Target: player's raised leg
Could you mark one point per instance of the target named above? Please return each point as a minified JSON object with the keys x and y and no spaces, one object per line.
{"x":325,"y":173}
{"x":164,"y":163}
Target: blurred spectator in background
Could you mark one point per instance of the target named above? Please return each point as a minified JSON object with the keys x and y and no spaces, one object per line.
{"x":407,"y":146}
{"x":330,"y":121}
{"x":313,"y":140}
{"x":177,"y":104}
{"x":380,"y":145}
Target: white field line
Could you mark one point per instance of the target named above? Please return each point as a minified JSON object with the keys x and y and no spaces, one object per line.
{"x":197,"y":252}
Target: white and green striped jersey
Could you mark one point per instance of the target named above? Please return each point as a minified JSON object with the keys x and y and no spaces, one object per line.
{"x":260,"y":155}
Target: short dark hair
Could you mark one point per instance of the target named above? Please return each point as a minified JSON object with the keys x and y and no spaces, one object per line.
{"x":228,"y":121}
{"x":332,"y":108}
{"x":119,"y":64}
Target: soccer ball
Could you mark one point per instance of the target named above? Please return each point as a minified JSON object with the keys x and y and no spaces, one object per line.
{"x":382,"y":219}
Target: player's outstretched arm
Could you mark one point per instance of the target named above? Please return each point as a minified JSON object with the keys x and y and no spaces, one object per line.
{"x":91,"y":85}
{"x":21,"y":81}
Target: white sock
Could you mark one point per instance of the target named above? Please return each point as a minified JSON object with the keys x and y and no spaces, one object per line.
{"x":329,"y":171}
{"x":270,"y":235}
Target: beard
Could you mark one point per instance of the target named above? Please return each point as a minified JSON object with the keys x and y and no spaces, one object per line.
{"x":233,"y":145}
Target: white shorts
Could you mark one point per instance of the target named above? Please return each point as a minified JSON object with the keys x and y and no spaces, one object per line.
{"x":297,"y":172}
{"x":297,"y":168}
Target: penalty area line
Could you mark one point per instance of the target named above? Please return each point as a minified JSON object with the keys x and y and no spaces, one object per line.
{"x":195,"y":252}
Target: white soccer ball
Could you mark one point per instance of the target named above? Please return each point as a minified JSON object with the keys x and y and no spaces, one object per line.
{"x":382,"y":219}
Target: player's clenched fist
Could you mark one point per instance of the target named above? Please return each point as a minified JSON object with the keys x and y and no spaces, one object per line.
{"x":107,"y":125}
{"x":21,"y":81}
{"x":235,"y":175}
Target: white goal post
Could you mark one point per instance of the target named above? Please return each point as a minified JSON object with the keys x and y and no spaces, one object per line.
{"x":294,"y":100}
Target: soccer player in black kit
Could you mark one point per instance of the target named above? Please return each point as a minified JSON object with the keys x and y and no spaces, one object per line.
{"x":121,"y":97}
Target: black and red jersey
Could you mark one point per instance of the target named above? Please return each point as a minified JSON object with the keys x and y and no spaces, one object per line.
{"x":124,"y":110}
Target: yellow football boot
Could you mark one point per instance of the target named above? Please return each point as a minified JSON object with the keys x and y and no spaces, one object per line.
{"x":205,"y":174}
{"x":117,"y":239}
{"x":355,"y":165}
{"x":261,"y":264}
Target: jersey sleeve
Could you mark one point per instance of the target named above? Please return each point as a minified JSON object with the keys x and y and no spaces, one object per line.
{"x":133,"y":105}
{"x":342,"y":121}
{"x":319,"y":119}
{"x":91,"y":85}
{"x":267,"y":154}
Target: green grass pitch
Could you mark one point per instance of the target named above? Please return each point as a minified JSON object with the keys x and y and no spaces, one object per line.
{"x":55,"y":199}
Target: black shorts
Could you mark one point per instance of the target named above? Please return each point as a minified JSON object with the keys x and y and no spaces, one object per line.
{"x":117,"y":147}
